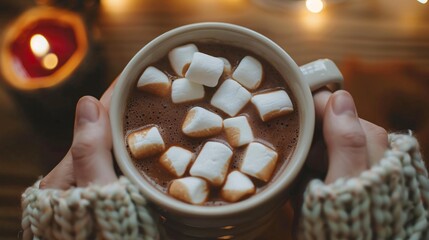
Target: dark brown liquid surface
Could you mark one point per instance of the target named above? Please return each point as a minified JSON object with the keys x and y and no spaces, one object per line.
{"x":144,"y":109}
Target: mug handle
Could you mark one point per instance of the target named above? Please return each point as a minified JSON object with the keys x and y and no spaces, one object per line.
{"x":320,"y":73}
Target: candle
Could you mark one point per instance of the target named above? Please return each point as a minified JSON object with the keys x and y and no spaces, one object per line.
{"x":42,"y":48}
{"x":48,"y":61}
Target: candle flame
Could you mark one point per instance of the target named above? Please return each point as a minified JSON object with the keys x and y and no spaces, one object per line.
{"x":50,"y":61}
{"x":39,"y":45}
{"x":422,"y":1}
{"x":315,"y":6}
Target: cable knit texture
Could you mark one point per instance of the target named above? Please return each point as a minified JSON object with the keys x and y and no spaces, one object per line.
{"x":388,"y":201}
{"x":114,"y":211}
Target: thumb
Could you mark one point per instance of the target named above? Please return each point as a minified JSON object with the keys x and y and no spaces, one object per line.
{"x":345,"y":138}
{"x":92,"y":144}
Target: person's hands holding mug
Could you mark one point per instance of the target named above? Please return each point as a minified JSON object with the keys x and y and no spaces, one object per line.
{"x":348,"y":144}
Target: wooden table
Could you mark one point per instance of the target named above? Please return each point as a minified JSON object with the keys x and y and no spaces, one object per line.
{"x":381,"y":45}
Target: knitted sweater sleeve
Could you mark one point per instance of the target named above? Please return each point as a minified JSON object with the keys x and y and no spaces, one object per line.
{"x":388,"y":201}
{"x":114,"y":211}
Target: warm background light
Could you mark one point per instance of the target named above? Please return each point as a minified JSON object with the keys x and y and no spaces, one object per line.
{"x":422,"y":1}
{"x":313,"y":22}
{"x":117,"y":6}
{"x":314,"y":6}
{"x":39,"y":45}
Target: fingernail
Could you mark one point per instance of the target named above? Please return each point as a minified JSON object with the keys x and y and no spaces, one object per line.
{"x":343,"y":104}
{"x":86,"y":111}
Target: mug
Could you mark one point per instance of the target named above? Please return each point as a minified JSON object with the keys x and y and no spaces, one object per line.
{"x":250,"y":217}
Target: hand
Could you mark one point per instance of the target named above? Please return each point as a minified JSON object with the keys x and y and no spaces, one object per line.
{"x":352,"y":144}
{"x":89,"y":159}
{"x":344,"y":145}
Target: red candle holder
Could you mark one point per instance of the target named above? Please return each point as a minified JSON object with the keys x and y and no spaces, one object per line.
{"x":43,"y":48}
{"x":48,"y":60}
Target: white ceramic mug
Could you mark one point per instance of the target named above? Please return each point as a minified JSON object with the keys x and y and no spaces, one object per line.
{"x":250,"y":217}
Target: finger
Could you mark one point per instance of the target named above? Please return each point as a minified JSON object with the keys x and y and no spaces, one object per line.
{"x":107,"y":95}
{"x":376,"y":139}
{"x":61,"y":177}
{"x":92,"y":142}
{"x":316,"y":159}
{"x":320,"y":99}
{"x":345,"y":138}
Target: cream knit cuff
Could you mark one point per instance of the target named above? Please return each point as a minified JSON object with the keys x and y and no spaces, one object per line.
{"x":388,"y":201}
{"x":114,"y":211}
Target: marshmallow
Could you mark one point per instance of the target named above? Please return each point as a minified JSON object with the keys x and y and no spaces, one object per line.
{"x":249,"y":73}
{"x":212,"y":163}
{"x":189,"y":189}
{"x":183,"y":90}
{"x":200,"y":122}
{"x":205,"y":69}
{"x":154,"y":81}
{"x":272,"y":104}
{"x":230,"y":97}
{"x":145,"y":142}
{"x":237,"y":186}
{"x":181,"y":57}
{"x":176,"y":160}
{"x":238,"y":131}
{"x":259,"y":161}
{"x":226,"y":65}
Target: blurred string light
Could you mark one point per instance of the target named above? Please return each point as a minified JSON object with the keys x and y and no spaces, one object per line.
{"x":117,"y":6}
{"x":312,"y":6}
{"x":316,"y":6}
{"x":422,"y":1}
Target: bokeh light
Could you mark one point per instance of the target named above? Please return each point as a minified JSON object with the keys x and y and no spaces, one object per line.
{"x":314,"y":6}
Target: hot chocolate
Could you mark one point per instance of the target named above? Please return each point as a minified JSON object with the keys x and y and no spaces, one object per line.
{"x":278,"y":133}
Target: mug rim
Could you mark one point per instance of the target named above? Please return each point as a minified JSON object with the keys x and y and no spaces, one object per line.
{"x":176,"y":206}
